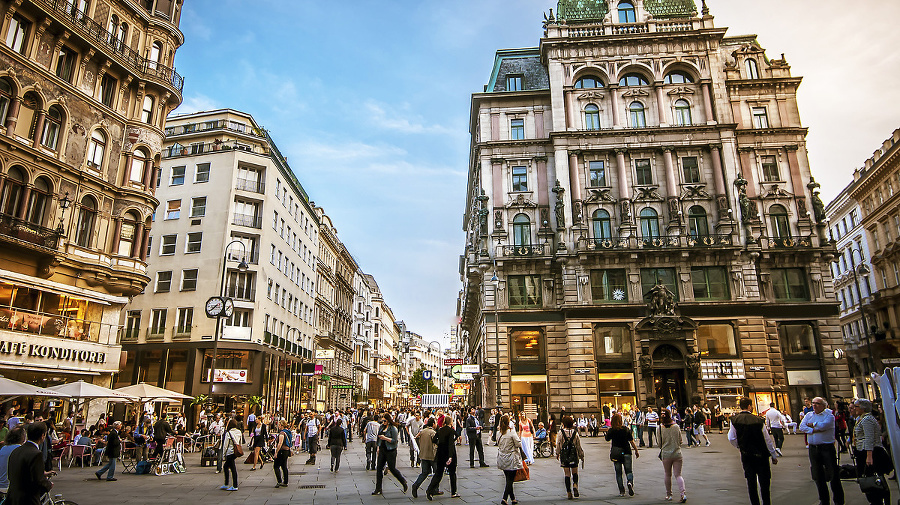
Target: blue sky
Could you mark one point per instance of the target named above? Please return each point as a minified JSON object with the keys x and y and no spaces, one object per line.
{"x":370,"y":103}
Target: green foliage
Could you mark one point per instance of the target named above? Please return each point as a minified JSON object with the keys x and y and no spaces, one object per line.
{"x":420,"y":386}
{"x":199,"y":400}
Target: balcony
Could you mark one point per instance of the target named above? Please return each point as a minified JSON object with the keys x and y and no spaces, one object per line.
{"x":247,"y":220}
{"x":252,"y":186}
{"x":651,"y":26}
{"x":56,"y":325}
{"x":176,"y":151}
{"x":528,"y":250}
{"x":31,"y":233}
{"x":95,"y":33}
{"x":657,"y":242}
{"x":789,"y":242}
{"x":241,"y":293}
{"x":221,"y":124}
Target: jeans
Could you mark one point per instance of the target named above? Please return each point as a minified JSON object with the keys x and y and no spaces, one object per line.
{"x":756,"y":468}
{"x":626,"y":466}
{"x":336,"y":451}
{"x":778,"y":437}
{"x":638,"y":433}
{"x":427,"y":468}
{"x":475,"y":444}
{"x":389,"y":458}
{"x":510,"y":478}
{"x":280,"y":465}
{"x":229,"y":465}
{"x":439,"y":465}
{"x":650,"y":431}
{"x":111,"y":466}
{"x":371,"y":451}
{"x":672,"y":467}
{"x":312,"y":445}
{"x":823,"y":466}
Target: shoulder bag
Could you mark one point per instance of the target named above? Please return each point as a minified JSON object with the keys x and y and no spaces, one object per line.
{"x":238,"y":448}
{"x":522,"y":473}
{"x":872,"y":484}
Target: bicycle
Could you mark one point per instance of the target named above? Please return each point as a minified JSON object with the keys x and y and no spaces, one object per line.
{"x":48,"y":499}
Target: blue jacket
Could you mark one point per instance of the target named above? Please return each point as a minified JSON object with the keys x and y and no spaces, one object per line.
{"x":392,"y":433}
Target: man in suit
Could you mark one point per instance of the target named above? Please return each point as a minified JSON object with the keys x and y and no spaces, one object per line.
{"x":113,"y":445}
{"x":473,"y":433}
{"x":27,"y":479}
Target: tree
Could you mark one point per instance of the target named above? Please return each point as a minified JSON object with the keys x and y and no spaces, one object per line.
{"x":420,"y":386}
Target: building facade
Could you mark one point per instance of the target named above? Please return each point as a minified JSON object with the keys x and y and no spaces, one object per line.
{"x":642,"y":225}
{"x":876,"y":187}
{"x":428,"y":354}
{"x":233,"y":221}
{"x":384,"y":377}
{"x":84,"y":92}
{"x":362,"y":338}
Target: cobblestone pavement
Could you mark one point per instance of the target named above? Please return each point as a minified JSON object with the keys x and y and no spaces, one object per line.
{"x":712,"y":474}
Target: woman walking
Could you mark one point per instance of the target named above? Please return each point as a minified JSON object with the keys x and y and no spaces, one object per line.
{"x":554,"y":429}
{"x":282,"y":451}
{"x":670,"y":453}
{"x":388,"y":438}
{"x":570,"y":453}
{"x":337,"y":442}
{"x":444,"y":457}
{"x":868,"y":451}
{"x":620,"y":453}
{"x":509,"y":458}
{"x":526,"y":435}
{"x":260,"y":437}
{"x":233,"y":437}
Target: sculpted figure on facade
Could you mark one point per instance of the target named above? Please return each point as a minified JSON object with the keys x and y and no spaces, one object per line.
{"x":661,"y":301}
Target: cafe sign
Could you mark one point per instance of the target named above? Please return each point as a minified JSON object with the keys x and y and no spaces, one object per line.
{"x":51,"y":352}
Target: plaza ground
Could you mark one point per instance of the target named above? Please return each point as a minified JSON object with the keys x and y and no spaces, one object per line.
{"x":712,"y":475}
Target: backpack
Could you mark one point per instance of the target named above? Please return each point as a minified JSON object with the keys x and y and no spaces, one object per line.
{"x":142,"y":468}
{"x":288,"y":440}
{"x":568,"y":454}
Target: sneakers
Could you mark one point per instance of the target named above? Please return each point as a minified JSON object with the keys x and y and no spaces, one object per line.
{"x":778,"y":452}
{"x":223,"y":488}
{"x":707,"y":443}
{"x":668,"y":497}
{"x":683,"y":498}
{"x":630,"y":489}
{"x":232,"y":488}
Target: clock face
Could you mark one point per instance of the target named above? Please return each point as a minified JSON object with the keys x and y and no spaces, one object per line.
{"x":228,"y":310}
{"x":214,"y":306}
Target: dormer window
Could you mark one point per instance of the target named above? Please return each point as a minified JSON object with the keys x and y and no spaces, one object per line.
{"x":633,"y":80}
{"x":514,"y":83}
{"x":752,"y":69}
{"x":626,"y":13}
{"x":678,"y":77}
{"x":588,"y":82}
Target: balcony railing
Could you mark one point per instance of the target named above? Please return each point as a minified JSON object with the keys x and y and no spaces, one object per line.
{"x":220,"y":124}
{"x":29,"y":232}
{"x":176,"y":151}
{"x":241,"y":293}
{"x":56,"y":325}
{"x":247,"y":220}
{"x":80,"y":22}
{"x":655,"y":25}
{"x":790,"y":242}
{"x":657,"y":242}
{"x":249,"y":185}
{"x":523,"y":250}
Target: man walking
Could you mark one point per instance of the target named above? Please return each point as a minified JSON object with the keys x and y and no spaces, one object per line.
{"x":651,"y":423}
{"x":414,"y":426}
{"x":113,"y":445}
{"x":748,"y":434}
{"x":818,"y":426}
{"x":427,"y":449}
{"x":473,"y":433}
{"x":371,"y":438}
{"x":27,"y":479}
{"x":776,"y":422}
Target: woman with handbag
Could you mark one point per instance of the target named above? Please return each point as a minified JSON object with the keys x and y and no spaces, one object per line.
{"x":670,"y":453}
{"x":509,"y":458}
{"x":569,"y":454}
{"x":620,"y":453}
{"x":872,"y":461}
{"x":233,"y":449}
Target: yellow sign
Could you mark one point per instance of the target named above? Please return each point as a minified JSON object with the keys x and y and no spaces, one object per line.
{"x":461,"y":389}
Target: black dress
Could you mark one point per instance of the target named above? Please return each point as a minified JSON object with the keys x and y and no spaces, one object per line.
{"x":261,"y":439}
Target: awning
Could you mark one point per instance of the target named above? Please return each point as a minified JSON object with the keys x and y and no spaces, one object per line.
{"x":40,"y":368}
{"x":61,"y":289}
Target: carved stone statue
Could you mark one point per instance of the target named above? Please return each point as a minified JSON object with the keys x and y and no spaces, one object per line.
{"x":482,"y":220}
{"x":818,"y":208}
{"x":693,"y":365}
{"x":646,"y":364}
{"x":661,"y":301}
{"x":559,"y":208}
{"x":625,"y":212}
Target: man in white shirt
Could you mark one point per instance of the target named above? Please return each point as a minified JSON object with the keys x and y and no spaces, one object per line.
{"x":651,"y":422}
{"x":414,"y":425}
{"x":776,"y":422}
{"x":313,"y":426}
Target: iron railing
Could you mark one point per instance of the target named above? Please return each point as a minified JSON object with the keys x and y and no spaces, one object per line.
{"x":250,"y":185}
{"x":247,"y":220}
{"x":219,"y":124}
{"x":56,"y":325}
{"x":790,"y":242}
{"x":657,"y":242}
{"x":14,"y":227}
{"x":176,"y":151}
{"x":523,"y":250}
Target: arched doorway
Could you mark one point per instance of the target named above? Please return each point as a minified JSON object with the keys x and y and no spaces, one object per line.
{"x":669,"y":381}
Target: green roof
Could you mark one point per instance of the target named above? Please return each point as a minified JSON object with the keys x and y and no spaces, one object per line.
{"x":574,"y":11}
{"x":670,"y":8}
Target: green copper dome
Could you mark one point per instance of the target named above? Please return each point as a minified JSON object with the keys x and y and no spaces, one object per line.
{"x":670,"y":8}
{"x":575,"y":11}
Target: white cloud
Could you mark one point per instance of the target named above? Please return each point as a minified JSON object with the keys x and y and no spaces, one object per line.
{"x":386,"y":118}
{"x":197,"y":103}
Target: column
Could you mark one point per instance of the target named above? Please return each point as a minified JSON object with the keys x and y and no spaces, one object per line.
{"x":622,"y":175}
{"x":614,"y":103}
{"x":718,"y":175}
{"x":144,"y":243}
{"x":154,"y":176}
{"x":23,"y":205}
{"x":707,"y":102}
{"x":794,"y":164}
{"x":128,"y":159}
{"x":38,"y":129}
{"x":117,"y":234}
{"x":148,"y":175}
{"x":12,"y":117}
{"x":748,"y":170}
{"x":574,"y":183}
{"x":139,"y":244}
{"x":660,"y":105}
{"x":543,"y":195}
{"x":671,"y":180}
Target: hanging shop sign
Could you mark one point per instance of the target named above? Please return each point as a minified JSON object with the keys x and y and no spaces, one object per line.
{"x":325,"y":354}
{"x":470,"y":369}
{"x":452,"y":361}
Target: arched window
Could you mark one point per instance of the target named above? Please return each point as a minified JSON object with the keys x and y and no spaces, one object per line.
{"x":752,"y":69}
{"x":138,"y":164}
{"x":125,"y":247}
{"x":602,"y":228}
{"x":521,"y":230}
{"x":698,"y":225}
{"x":591,"y":117}
{"x":38,"y":202}
{"x":6,"y":94}
{"x":96,"y":149}
{"x":52,"y":125}
{"x":31,"y":103}
{"x":638,"y":118}
{"x":633,"y":80}
{"x":87,"y":216}
{"x":781,"y":227}
{"x":682,"y":112}
{"x":12,"y":192}
{"x":678,"y":77}
{"x":155,"y":53}
{"x":649,"y":223}
{"x":588,"y":81}
{"x":626,"y":12}
{"x":123,"y":35}
{"x":114,"y":30}
{"x":77,"y":9}
{"x":147,"y":110}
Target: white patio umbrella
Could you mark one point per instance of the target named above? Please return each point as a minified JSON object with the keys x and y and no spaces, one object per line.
{"x":86,"y":390}
{"x":148,"y":392}
{"x":10,"y":388}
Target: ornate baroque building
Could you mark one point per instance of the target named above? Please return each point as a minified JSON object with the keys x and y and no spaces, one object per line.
{"x":85,"y":88}
{"x":642,"y":225}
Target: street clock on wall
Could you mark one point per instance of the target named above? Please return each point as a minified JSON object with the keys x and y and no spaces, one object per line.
{"x":215,"y":306}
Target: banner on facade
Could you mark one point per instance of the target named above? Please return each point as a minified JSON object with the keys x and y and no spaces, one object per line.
{"x":325,"y":354}
{"x":231,"y":376}
{"x":472,"y":369}
{"x":461,"y":388}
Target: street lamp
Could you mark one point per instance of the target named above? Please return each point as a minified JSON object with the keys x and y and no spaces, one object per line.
{"x":862,"y":312}
{"x":64,"y":203}
{"x":496,"y":282}
{"x":242,"y":267}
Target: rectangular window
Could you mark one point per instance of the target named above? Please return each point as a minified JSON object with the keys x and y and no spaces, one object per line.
{"x":691,"y":169}
{"x":514,"y":83}
{"x":710,"y":283}
{"x":643,"y":172}
{"x":132,"y":324}
{"x":173,"y":209}
{"x":177,"y":176}
{"x":798,"y":340}
{"x":185,"y":320}
{"x":189,"y":279}
{"x":650,"y":277}
{"x":18,"y":30}
{"x":520,"y":178}
{"x":609,"y":286}
{"x":275,"y":221}
{"x":770,"y":168}
{"x":524,"y":290}
{"x":163,"y":281}
{"x":194,"y":241}
{"x":202,"y":174}
{"x":611,"y":341}
{"x":528,"y":346}
{"x":65,"y":63}
{"x":517,"y":129}
{"x":716,"y":341}
{"x":240,"y":285}
{"x":168,"y":245}
{"x":108,"y":85}
{"x":598,"y":174}
{"x":198,"y":206}
{"x":760,"y":117}
{"x":158,"y":321}
{"x":790,"y":284}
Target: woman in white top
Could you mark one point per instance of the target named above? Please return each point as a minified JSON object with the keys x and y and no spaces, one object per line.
{"x":233,"y":437}
{"x":509,"y":458}
{"x":670,"y":453}
{"x":526,"y":434}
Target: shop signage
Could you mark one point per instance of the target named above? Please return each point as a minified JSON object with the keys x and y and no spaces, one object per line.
{"x":756,"y":368}
{"x":52,"y":352}
{"x":722,"y":369}
{"x":470,"y":369}
{"x":342,"y":386}
{"x":466,"y":377}
{"x":582,"y":370}
{"x":320,"y":369}
{"x":891,"y":361}
{"x":325,"y":354}
{"x":461,"y":389}
{"x":452,"y":361}
{"x":231,"y":376}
